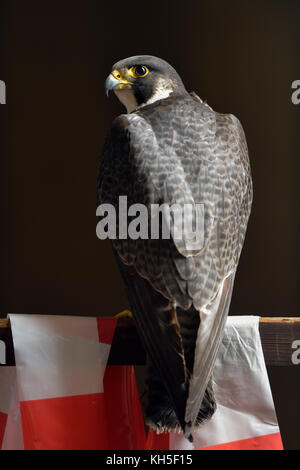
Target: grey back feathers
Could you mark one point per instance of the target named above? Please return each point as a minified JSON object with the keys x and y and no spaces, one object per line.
{"x":179,"y":150}
{"x":182,"y":152}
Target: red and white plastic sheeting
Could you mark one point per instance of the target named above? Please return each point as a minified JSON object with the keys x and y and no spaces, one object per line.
{"x":62,"y":395}
{"x":245,"y":418}
{"x":66,"y":396}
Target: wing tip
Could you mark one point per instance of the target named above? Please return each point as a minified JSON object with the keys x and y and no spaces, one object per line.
{"x":188,"y":431}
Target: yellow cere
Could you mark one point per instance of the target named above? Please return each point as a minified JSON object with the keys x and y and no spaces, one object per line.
{"x":118,"y":76}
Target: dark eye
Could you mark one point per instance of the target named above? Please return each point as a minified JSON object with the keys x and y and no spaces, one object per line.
{"x":139,"y":71}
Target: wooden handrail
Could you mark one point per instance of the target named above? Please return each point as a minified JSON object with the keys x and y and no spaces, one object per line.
{"x":277,"y":337}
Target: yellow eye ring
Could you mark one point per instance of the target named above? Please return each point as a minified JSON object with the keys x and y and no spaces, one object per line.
{"x":139,"y":71}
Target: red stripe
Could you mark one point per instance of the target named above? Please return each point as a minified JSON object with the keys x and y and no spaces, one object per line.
{"x":157,"y":441}
{"x":266,"y":442}
{"x":123,"y":412}
{"x":3,"y":419}
{"x":69,"y":423}
{"x":106,"y":329}
{"x":110,"y":420}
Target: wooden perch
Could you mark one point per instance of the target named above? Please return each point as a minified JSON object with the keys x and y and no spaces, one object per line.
{"x":277,"y":335}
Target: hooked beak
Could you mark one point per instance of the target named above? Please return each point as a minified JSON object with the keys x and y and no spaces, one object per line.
{"x":115,"y":81}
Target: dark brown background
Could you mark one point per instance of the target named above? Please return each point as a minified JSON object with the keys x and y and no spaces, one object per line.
{"x":241,"y":56}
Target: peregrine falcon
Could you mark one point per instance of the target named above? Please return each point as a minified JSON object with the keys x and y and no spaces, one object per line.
{"x":172,"y":148}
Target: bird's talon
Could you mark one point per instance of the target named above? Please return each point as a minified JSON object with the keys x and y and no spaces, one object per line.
{"x":124,"y":314}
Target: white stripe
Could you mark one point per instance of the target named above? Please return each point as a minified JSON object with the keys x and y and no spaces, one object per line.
{"x":57,"y":356}
{"x":245,"y":405}
{"x":2,"y":352}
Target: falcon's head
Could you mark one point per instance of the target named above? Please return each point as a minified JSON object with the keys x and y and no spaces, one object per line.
{"x":143,"y":79}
